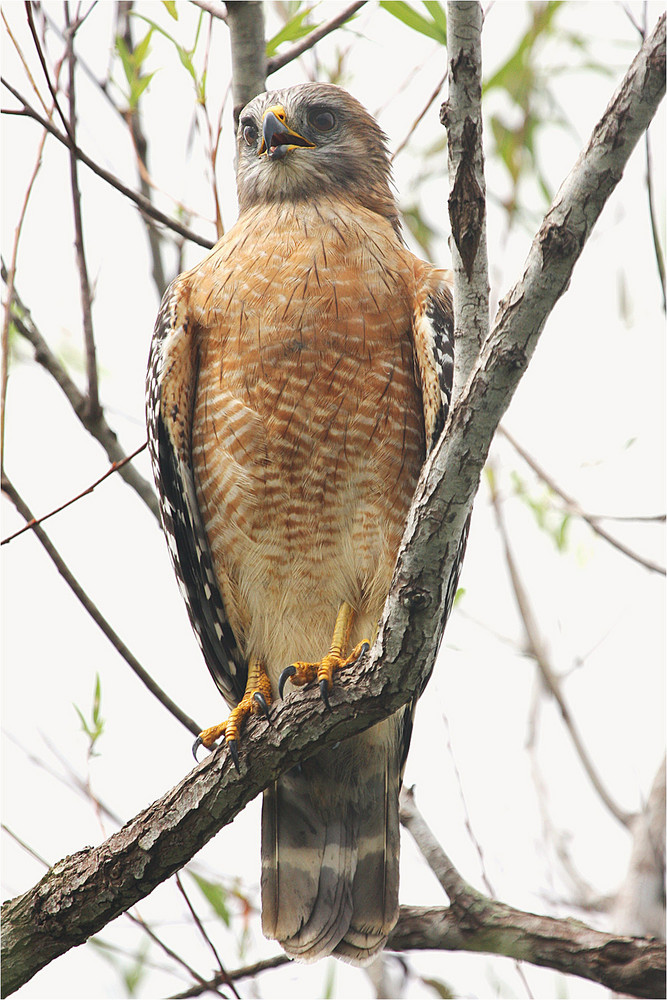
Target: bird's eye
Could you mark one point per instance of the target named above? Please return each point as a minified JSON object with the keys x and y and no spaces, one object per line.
{"x":321,"y":119}
{"x":249,"y":132}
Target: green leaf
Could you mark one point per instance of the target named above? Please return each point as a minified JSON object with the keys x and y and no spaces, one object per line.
{"x":291,"y":32}
{"x":439,"y":988}
{"x":413,"y":19}
{"x":437,"y":12}
{"x":171,"y":8}
{"x":216,"y":895}
{"x":93,"y":727}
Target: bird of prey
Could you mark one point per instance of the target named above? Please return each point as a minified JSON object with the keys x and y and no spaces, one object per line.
{"x":298,"y":377}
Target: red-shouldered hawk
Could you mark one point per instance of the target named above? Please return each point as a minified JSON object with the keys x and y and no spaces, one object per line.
{"x":298,"y":377}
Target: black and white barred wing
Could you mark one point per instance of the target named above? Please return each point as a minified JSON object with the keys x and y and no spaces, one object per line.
{"x":433,"y":338}
{"x":171,"y":385}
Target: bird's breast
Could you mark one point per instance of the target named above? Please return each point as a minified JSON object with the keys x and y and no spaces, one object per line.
{"x":307,"y":426}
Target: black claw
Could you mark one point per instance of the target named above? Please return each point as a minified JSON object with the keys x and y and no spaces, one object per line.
{"x":365,"y":647}
{"x":233,"y":749}
{"x":324,"y":691}
{"x":284,"y":677}
{"x":260,"y":701}
{"x":195,"y":746}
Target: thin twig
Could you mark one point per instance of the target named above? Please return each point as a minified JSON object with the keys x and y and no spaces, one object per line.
{"x":7,"y":313}
{"x":536,"y":648}
{"x":212,"y":7}
{"x":200,"y":927}
{"x":93,"y":401}
{"x":45,"y":70}
{"x":315,"y":36}
{"x":84,"y":493}
{"x":575,"y":508}
{"x":171,"y":953}
{"x":421,"y":114}
{"x":99,"y":428}
{"x":134,"y":196}
{"x":95,"y":614}
{"x":244,"y":972}
{"x":132,"y":118}
{"x":659,"y":258}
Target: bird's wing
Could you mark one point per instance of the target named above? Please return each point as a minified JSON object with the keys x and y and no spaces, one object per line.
{"x":171,"y":388}
{"x":433,"y":339}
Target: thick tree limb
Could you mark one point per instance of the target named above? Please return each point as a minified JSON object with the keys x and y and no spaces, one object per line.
{"x":634,"y":966}
{"x":83,"y":892}
{"x":245,"y":20}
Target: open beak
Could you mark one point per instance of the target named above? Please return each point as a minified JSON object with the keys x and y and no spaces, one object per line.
{"x":277,"y":137}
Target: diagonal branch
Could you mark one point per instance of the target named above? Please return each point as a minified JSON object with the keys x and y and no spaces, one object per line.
{"x":576,"y":508}
{"x":99,"y":428}
{"x":142,"y":203}
{"x":315,"y":36}
{"x":93,"y":611}
{"x":83,"y":892}
{"x":536,"y":648}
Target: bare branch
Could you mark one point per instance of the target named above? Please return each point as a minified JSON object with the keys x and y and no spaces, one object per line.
{"x":536,"y":648}
{"x":95,"y":614}
{"x":462,"y":117}
{"x":132,"y":118}
{"x":577,"y":509}
{"x":99,"y":428}
{"x":432,"y":98}
{"x":633,"y":966}
{"x":315,"y":36}
{"x":245,"y":19}
{"x":659,"y":257}
{"x":93,"y":401}
{"x":84,"y":493}
{"x":212,"y":7}
{"x":110,"y":178}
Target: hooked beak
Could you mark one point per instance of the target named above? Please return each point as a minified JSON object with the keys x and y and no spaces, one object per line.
{"x":277,"y":137}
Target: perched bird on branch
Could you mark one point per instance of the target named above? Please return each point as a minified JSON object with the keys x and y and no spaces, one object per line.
{"x":298,"y":378}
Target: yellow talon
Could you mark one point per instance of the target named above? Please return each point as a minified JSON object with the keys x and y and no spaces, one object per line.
{"x":301,"y":673}
{"x":257,"y":698}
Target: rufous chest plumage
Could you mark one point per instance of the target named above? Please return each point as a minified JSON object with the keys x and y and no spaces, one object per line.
{"x":308,"y":427}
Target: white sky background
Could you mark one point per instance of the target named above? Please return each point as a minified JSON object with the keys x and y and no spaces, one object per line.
{"x":590,"y":409}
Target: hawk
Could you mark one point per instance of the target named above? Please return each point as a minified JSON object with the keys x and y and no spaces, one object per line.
{"x":298,"y":377}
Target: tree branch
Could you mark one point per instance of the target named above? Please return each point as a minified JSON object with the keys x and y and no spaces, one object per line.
{"x":142,"y":203}
{"x":83,"y":892}
{"x":633,"y":966}
{"x":245,"y":19}
{"x":591,"y":520}
{"x":315,"y":36}
{"x":98,"y":428}
{"x":462,"y":116}
{"x":536,"y":648}
{"x":93,"y":400}
{"x":93,"y":611}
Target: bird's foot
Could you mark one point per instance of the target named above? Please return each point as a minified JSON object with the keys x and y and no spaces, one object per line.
{"x":256,"y":699}
{"x":303,"y":673}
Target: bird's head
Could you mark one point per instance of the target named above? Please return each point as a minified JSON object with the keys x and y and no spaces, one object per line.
{"x":310,"y":141}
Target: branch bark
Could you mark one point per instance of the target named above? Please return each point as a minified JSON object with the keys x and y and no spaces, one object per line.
{"x":245,"y":20}
{"x":461,"y":115}
{"x":83,"y":892}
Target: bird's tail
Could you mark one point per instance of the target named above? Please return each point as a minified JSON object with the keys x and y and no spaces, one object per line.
{"x":330,"y":850}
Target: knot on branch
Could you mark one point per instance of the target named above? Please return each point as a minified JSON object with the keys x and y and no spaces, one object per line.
{"x":466,"y":201}
{"x":558,"y":243}
{"x":414,"y":598}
